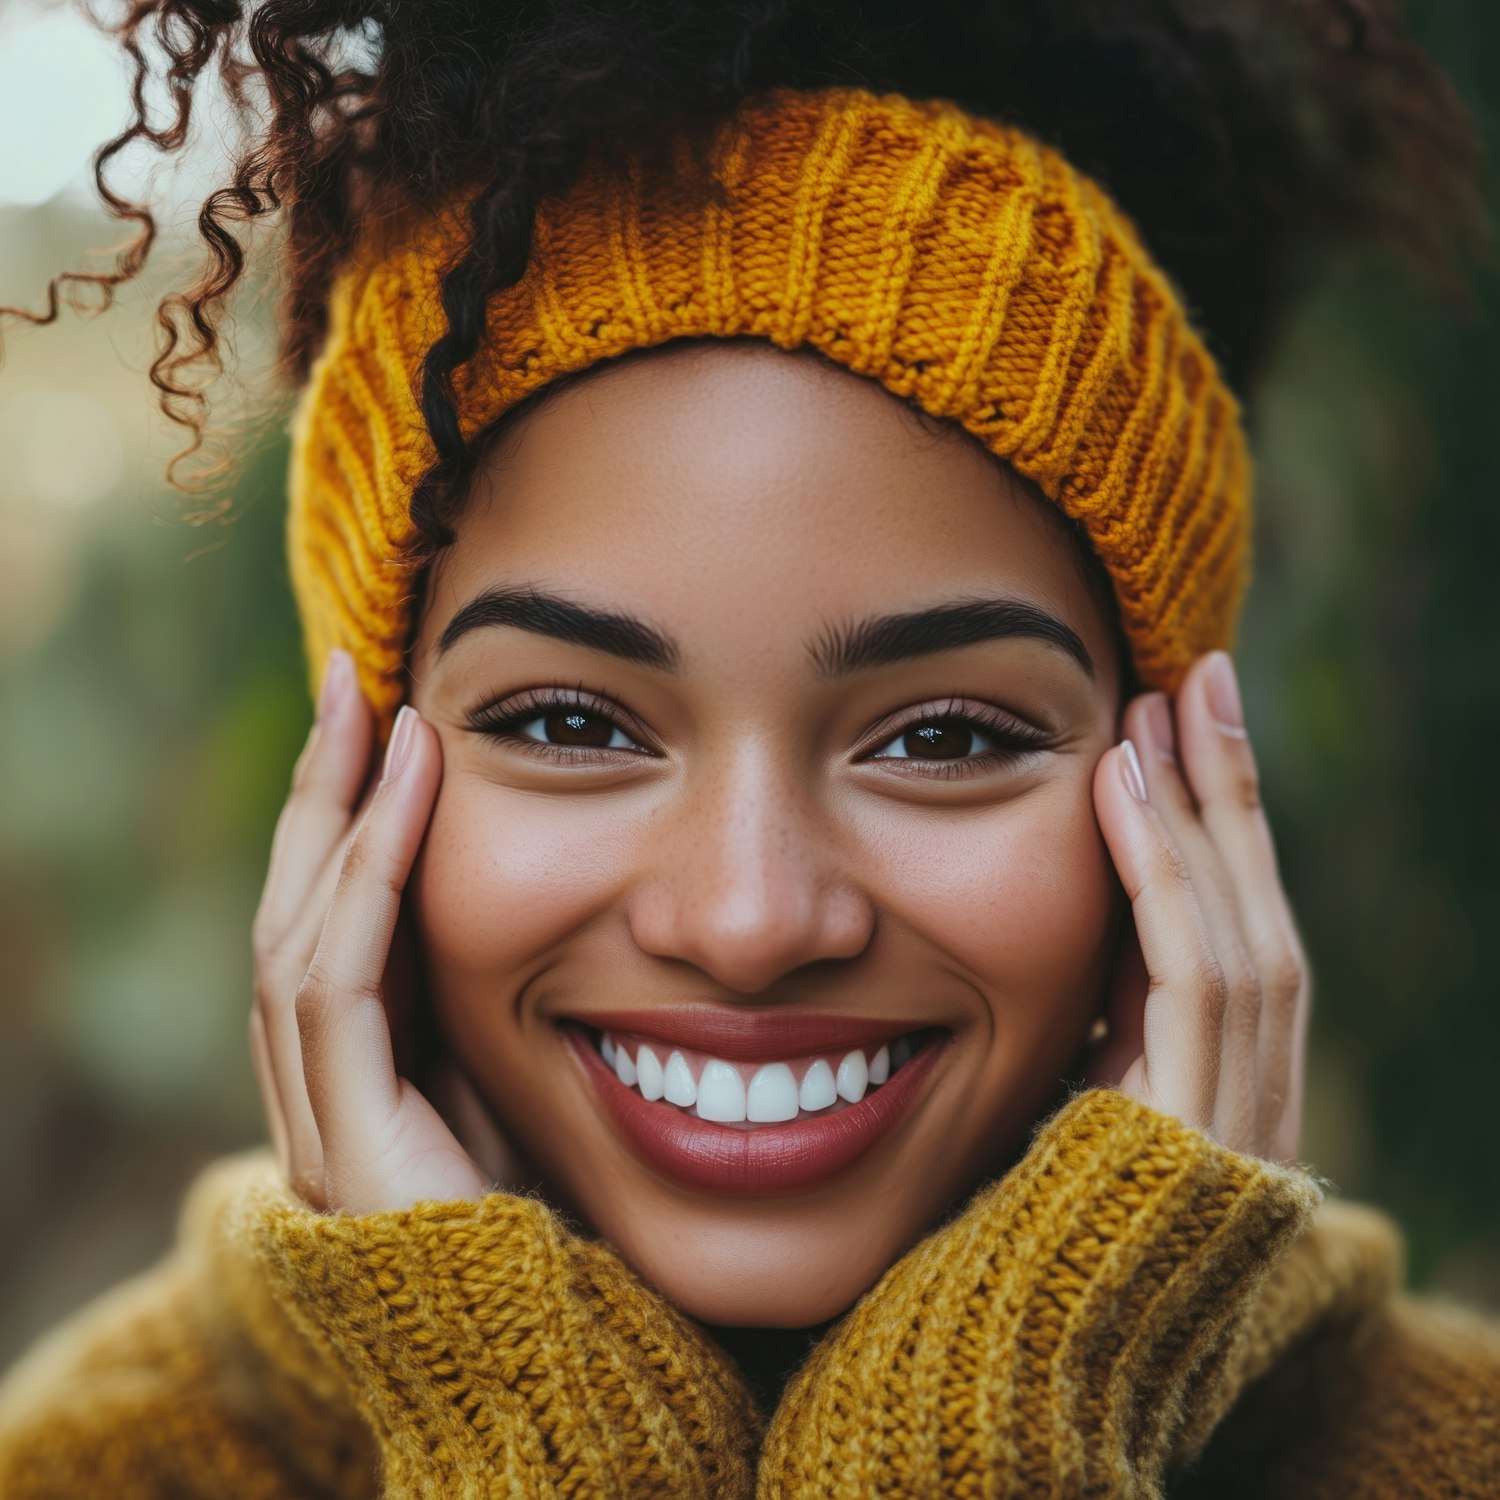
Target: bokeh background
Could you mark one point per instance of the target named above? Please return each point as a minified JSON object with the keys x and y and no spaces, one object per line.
{"x":152,"y":701}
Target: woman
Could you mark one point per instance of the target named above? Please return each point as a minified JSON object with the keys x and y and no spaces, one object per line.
{"x":772,"y":976}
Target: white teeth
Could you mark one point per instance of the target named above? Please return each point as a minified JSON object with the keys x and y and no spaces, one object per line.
{"x":625,"y":1067}
{"x":817,"y":1091}
{"x":677,"y":1081}
{"x":721,"y":1093}
{"x":854,"y":1077}
{"x":649,"y":1074}
{"x":773,"y":1094}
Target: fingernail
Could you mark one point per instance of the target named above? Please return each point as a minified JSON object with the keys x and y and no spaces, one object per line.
{"x":1130,"y":769}
{"x":1159,"y":721}
{"x":399,"y":749}
{"x":1224,"y":694}
{"x":336,"y":675}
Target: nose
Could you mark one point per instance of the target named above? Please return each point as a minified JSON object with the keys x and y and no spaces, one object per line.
{"x":746,"y":880}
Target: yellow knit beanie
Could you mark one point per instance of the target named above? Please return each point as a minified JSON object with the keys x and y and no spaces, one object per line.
{"x":961,"y":263}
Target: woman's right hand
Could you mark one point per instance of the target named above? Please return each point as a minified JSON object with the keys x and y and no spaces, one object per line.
{"x":351,"y":1134}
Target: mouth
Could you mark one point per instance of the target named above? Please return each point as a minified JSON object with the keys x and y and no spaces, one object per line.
{"x":743,"y":1118}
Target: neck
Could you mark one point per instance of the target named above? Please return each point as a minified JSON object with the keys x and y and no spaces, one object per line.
{"x":767,"y":1358}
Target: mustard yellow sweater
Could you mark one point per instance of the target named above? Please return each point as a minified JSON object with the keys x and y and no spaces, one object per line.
{"x":1131,"y":1311}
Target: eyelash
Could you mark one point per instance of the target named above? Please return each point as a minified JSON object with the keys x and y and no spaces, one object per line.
{"x":1013,"y":740}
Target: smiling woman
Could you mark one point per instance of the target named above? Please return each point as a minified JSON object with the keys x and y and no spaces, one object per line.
{"x":809,"y":784}
{"x":773,"y":976}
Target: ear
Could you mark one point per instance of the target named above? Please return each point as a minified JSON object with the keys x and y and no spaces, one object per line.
{"x":1106,"y":1060}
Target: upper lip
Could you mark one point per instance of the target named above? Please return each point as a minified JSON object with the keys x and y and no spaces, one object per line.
{"x":749,"y":1036}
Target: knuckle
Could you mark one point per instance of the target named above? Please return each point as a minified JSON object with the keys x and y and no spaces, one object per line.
{"x":314,"y":996}
{"x":359,"y":854}
{"x":1244,"y":785}
{"x":1285,"y":975}
{"x":1212,"y":984}
{"x":265,"y":940}
{"x":1170,"y":867}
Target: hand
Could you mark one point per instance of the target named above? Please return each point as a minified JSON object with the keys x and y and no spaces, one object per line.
{"x":351,"y":1135}
{"x":1210,"y":997}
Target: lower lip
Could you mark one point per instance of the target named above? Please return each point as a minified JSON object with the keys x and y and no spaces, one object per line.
{"x":767,"y":1160}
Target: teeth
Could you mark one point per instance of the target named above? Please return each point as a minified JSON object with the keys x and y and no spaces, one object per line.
{"x":649,"y":1074}
{"x":721,"y":1093}
{"x":772,"y":1095}
{"x":854,"y":1077}
{"x":625,"y":1067}
{"x":817,"y":1091}
{"x":678,"y":1085}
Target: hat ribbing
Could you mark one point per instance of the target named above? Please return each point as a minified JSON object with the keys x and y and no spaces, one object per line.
{"x":961,"y":263}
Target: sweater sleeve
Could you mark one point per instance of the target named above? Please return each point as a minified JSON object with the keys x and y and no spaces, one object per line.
{"x":1382,"y":1395}
{"x":1073,"y":1332}
{"x":451,"y":1349}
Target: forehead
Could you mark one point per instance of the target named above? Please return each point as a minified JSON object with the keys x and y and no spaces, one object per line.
{"x":733,"y":484}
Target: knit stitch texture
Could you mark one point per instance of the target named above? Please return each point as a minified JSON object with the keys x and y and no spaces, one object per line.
{"x":961,"y":263}
{"x":1130,"y":1312}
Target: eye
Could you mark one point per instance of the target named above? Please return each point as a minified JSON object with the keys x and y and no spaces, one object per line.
{"x":557,"y":724}
{"x":954,"y":743}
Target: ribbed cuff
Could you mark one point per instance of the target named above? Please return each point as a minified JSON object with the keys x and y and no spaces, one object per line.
{"x":1057,"y":1338}
{"x":483,"y":1340}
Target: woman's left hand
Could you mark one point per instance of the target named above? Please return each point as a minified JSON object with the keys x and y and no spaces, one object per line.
{"x":1209,"y":1001}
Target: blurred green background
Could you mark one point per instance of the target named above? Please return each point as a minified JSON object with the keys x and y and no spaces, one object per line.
{"x":152,"y":701}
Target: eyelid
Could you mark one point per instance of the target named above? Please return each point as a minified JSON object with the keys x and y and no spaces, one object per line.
{"x":996,"y":721}
{"x":498,"y":718}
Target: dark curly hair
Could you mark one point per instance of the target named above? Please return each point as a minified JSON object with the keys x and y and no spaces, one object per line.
{"x":1247,"y":139}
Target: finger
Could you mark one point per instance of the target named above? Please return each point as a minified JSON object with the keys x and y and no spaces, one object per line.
{"x":347,"y":1054}
{"x":1150,"y":723}
{"x":1220,"y":763}
{"x":275,"y":1001}
{"x":302,"y":938}
{"x":1187,"y":990}
{"x":326,"y":781}
{"x":265,"y":1078}
{"x":314,"y":821}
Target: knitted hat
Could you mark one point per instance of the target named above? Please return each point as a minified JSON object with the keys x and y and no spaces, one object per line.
{"x":959,"y":262}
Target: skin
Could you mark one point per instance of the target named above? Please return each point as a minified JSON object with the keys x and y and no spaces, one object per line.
{"x":756,"y":838}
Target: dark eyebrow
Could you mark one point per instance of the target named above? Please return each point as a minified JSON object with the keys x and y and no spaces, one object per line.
{"x":842,"y":650}
{"x":550,"y":614}
{"x":883,"y":639}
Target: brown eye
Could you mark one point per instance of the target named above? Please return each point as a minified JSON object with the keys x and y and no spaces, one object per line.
{"x":941,"y":739}
{"x":577,"y":728}
{"x":544,"y":723}
{"x":952,"y":743}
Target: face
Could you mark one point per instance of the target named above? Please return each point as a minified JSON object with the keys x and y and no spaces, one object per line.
{"x":768,"y":720}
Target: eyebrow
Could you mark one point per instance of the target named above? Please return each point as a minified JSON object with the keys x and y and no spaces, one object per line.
{"x":840,"y":651}
{"x":528,"y":608}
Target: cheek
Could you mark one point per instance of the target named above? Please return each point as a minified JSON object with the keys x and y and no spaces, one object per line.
{"x":503,"y":877}
{"x":1022,"y":896}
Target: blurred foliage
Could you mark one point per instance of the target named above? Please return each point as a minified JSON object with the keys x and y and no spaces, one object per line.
{"x":152,"y":702}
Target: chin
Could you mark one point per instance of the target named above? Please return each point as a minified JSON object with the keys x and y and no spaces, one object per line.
{"x":774,"y":1275}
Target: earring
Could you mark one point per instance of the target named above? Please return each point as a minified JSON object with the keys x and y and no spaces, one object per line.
{"x":1098,"y":1032}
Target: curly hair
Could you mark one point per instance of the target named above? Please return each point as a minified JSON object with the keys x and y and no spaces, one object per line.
{"x":1248,"y":139}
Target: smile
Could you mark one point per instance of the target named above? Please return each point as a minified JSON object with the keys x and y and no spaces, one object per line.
{"x":756,"y":1124}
